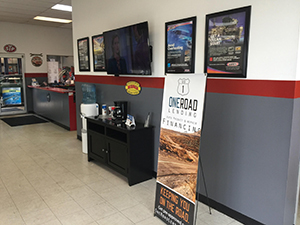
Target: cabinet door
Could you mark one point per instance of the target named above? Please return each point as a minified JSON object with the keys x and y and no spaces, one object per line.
{"x":97,"y":146}
{"x":117,"y":156}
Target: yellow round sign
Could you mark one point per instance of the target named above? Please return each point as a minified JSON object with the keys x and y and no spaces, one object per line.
{"x":133,"y":88}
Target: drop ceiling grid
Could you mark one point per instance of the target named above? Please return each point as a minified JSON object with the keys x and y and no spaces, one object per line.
{"x":23,"y":11}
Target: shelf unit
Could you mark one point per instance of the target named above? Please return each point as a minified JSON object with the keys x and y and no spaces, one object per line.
{"x":128,"y":151}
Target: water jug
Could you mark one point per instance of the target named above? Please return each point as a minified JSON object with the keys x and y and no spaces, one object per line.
{"x":88,"y":93}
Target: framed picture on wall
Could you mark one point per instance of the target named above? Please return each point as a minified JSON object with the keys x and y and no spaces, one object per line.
{"x":98,"y":53}
{"x":180,"y":46}
{"x":226,"y":43}
{"x":83,"y":54}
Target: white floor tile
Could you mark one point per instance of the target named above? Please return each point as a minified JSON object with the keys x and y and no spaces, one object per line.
{"x":78,"y":218}
{"x":115,"y":219}
{"x":66,"y":208}
{"x":137,"y":213}
{"x":100,"y":211}
{"x":39,"y":217}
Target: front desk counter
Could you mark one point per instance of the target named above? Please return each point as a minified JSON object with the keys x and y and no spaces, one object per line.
{"x":128,"y":151}
{"x":56,"y":104}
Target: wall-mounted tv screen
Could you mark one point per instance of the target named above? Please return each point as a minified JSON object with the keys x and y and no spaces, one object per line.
{"x":127,"y":50}
{"x":11,"y":96}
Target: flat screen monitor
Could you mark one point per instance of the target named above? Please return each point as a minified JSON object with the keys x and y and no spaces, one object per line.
{"x":127,"y":50}
{"x":11,"y":96}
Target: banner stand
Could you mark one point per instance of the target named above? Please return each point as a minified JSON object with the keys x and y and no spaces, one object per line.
{"x":201,"y":165}
{"x":204,"y":183}
{"x":178,"y":159}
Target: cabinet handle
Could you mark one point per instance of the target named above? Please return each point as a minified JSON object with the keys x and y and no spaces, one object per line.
{"x":103,"y":149}
{"x":48,"y":97}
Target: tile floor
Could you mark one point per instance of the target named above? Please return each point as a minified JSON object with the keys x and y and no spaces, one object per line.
{"x":46,"y":179}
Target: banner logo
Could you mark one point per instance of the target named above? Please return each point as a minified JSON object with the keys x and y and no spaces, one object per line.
{"x":183,"y":86}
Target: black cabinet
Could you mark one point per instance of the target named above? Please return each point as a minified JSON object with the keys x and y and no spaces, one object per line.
{"x":126,"y":150}
{"x":97,"y":145}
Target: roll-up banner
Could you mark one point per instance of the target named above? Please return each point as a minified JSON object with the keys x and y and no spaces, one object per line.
{"x":181,"y":121}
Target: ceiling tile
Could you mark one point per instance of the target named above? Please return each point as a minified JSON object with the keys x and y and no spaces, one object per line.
{"x":23,"y":11}
{"x":57,"y":14}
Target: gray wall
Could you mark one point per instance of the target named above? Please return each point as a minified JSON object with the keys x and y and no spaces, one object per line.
{"x":149,"y":100}
{"x":250,"y":155}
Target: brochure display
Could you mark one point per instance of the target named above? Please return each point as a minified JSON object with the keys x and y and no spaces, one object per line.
{"x":226,"y":43}
{"x":181,"y":121}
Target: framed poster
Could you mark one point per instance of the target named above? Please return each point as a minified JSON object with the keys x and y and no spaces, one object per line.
{"x":83,"y":54}
{"x":180,"y":46}
{"x":98,"y":53}
{"x":226,"y":43}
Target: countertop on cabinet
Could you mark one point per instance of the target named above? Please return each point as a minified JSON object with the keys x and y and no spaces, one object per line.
{"x":56,"y":104}
{"x":54,"y":89}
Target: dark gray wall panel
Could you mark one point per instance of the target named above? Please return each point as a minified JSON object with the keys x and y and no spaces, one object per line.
{"x":149,"y":100}
{"x":294,"y":159}
{"x":245,"y":151}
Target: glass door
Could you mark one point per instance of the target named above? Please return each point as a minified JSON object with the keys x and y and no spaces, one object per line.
{"x":12,"y":84}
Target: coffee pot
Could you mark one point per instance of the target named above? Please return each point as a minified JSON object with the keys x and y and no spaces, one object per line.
{"x":120,"y":111}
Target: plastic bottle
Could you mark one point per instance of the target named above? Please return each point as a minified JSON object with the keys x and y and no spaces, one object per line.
{"x":88,"y":93}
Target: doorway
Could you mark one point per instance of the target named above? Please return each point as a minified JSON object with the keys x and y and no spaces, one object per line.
{"x":12,"y":84}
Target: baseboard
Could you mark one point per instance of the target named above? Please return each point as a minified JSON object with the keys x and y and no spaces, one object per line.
{"x":227,"y":211}
{"x":154,"y":174}
{"x":52,"y":121}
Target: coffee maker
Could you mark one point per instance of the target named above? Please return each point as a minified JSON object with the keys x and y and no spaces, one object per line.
{"x":120,"y":111}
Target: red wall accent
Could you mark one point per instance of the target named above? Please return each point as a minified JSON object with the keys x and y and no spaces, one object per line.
{"x":264,"y":88}
{"x":72,"y":112}
{"x":149,"y":82}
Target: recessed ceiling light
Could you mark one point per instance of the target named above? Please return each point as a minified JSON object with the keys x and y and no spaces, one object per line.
{"x":50,"y":19}
{"x":62,"y":7}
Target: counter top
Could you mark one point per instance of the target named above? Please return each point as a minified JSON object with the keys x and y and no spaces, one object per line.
{"x":120,"y":125}
{"x":54,"y":89}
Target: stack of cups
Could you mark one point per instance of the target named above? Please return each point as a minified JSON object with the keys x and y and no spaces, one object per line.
{"x":104,"y":110}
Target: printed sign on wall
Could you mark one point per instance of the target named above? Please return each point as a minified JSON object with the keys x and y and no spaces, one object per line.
{"x":36,"y":59}
{"x":181,"y":120}
{"x":133,"y":88}
{"x":10,"y":48}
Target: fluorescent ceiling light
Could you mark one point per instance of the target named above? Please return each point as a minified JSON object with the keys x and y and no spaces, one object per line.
{"x":62,"y":7}
{"x":50,"y":19}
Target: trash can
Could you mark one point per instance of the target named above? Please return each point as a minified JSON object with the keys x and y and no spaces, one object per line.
{"x":85,"y":111}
